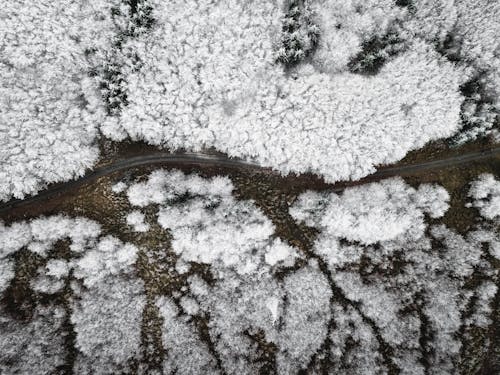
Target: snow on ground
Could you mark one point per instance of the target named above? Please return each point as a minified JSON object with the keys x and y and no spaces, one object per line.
{"x":50,"y":106}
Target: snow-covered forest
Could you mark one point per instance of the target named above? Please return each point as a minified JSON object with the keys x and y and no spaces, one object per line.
{"x":334,"y":88}
{"x":381,"y":290}
{"x":269,"y":253}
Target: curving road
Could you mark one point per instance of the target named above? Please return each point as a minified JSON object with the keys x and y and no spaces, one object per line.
{"x":226,"y":162}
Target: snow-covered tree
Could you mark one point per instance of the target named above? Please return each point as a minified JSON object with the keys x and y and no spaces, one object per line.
{"x":485,"y":192}
{"x":465,"y":32}
{"x":196,"y":74}
{"x":376,"y":212}
{"x":107,"y":319}
{"x":431,"y":20}
{"x":136,"y":220}
{"x":477,"y":28}
{"x":407,"y":281}
{"x":299,"y":35}
{"x":382,"y":288}
{"x":210,"y":226}
{"x":236,"y":240}
{"x":12,"y":238}
{"x":186,"y":353}
{"x":349,"y":26}
{"x":36,"y":346}
{"x":208,"y":78}
{"x":104,"y":305}
{"x":50,"y":106}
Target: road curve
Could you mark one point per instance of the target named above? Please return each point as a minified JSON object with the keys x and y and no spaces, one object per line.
{"x":226,"y":162}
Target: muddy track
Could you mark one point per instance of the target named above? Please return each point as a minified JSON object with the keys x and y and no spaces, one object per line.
{"x":221,"y":161}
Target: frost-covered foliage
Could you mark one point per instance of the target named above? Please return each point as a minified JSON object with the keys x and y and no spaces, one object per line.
{"x":227,"y":234}
{"x":202,"y":85}
{"x":109,"y":257}
{"x":119,"y":187}
{"x":50,"y":107}
{"x":12,"y":239}
{"x":476,"y":39}
{"x":376,"y":212}
{"x":38,"y":236}
{"x":479,"y":113}
{"x":485,"y":294}
{"x":239,"y":308}
{"x":107,"y":318}
{"x":6,"y":272}
{"x":186,"y":353}
{"x":364,"y":35}
{"x":391,"y":292}
{"x":104,"y":306}
{"x":162,"y":187}
{"x":136,"y":220}
{"x":41,"y":234}
{"x":51,"y":279}
{"x":346,"y":25}
{"x":305,"y":318}
{"x":208,"y":225}
{"x":245,"y":300}
{"x":410,"y":280}
{"x":485,"y":192}
{"x":196,"y":74}
{"x":299,"y":33}
{"x":291,"y":315}
{"x":431,"y":20}
{"x":378,"y":290}
{"x":467,"y":33}
{"x":477,"y":28}
{"x":31,"y":347}
{"x":185,"y":59}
